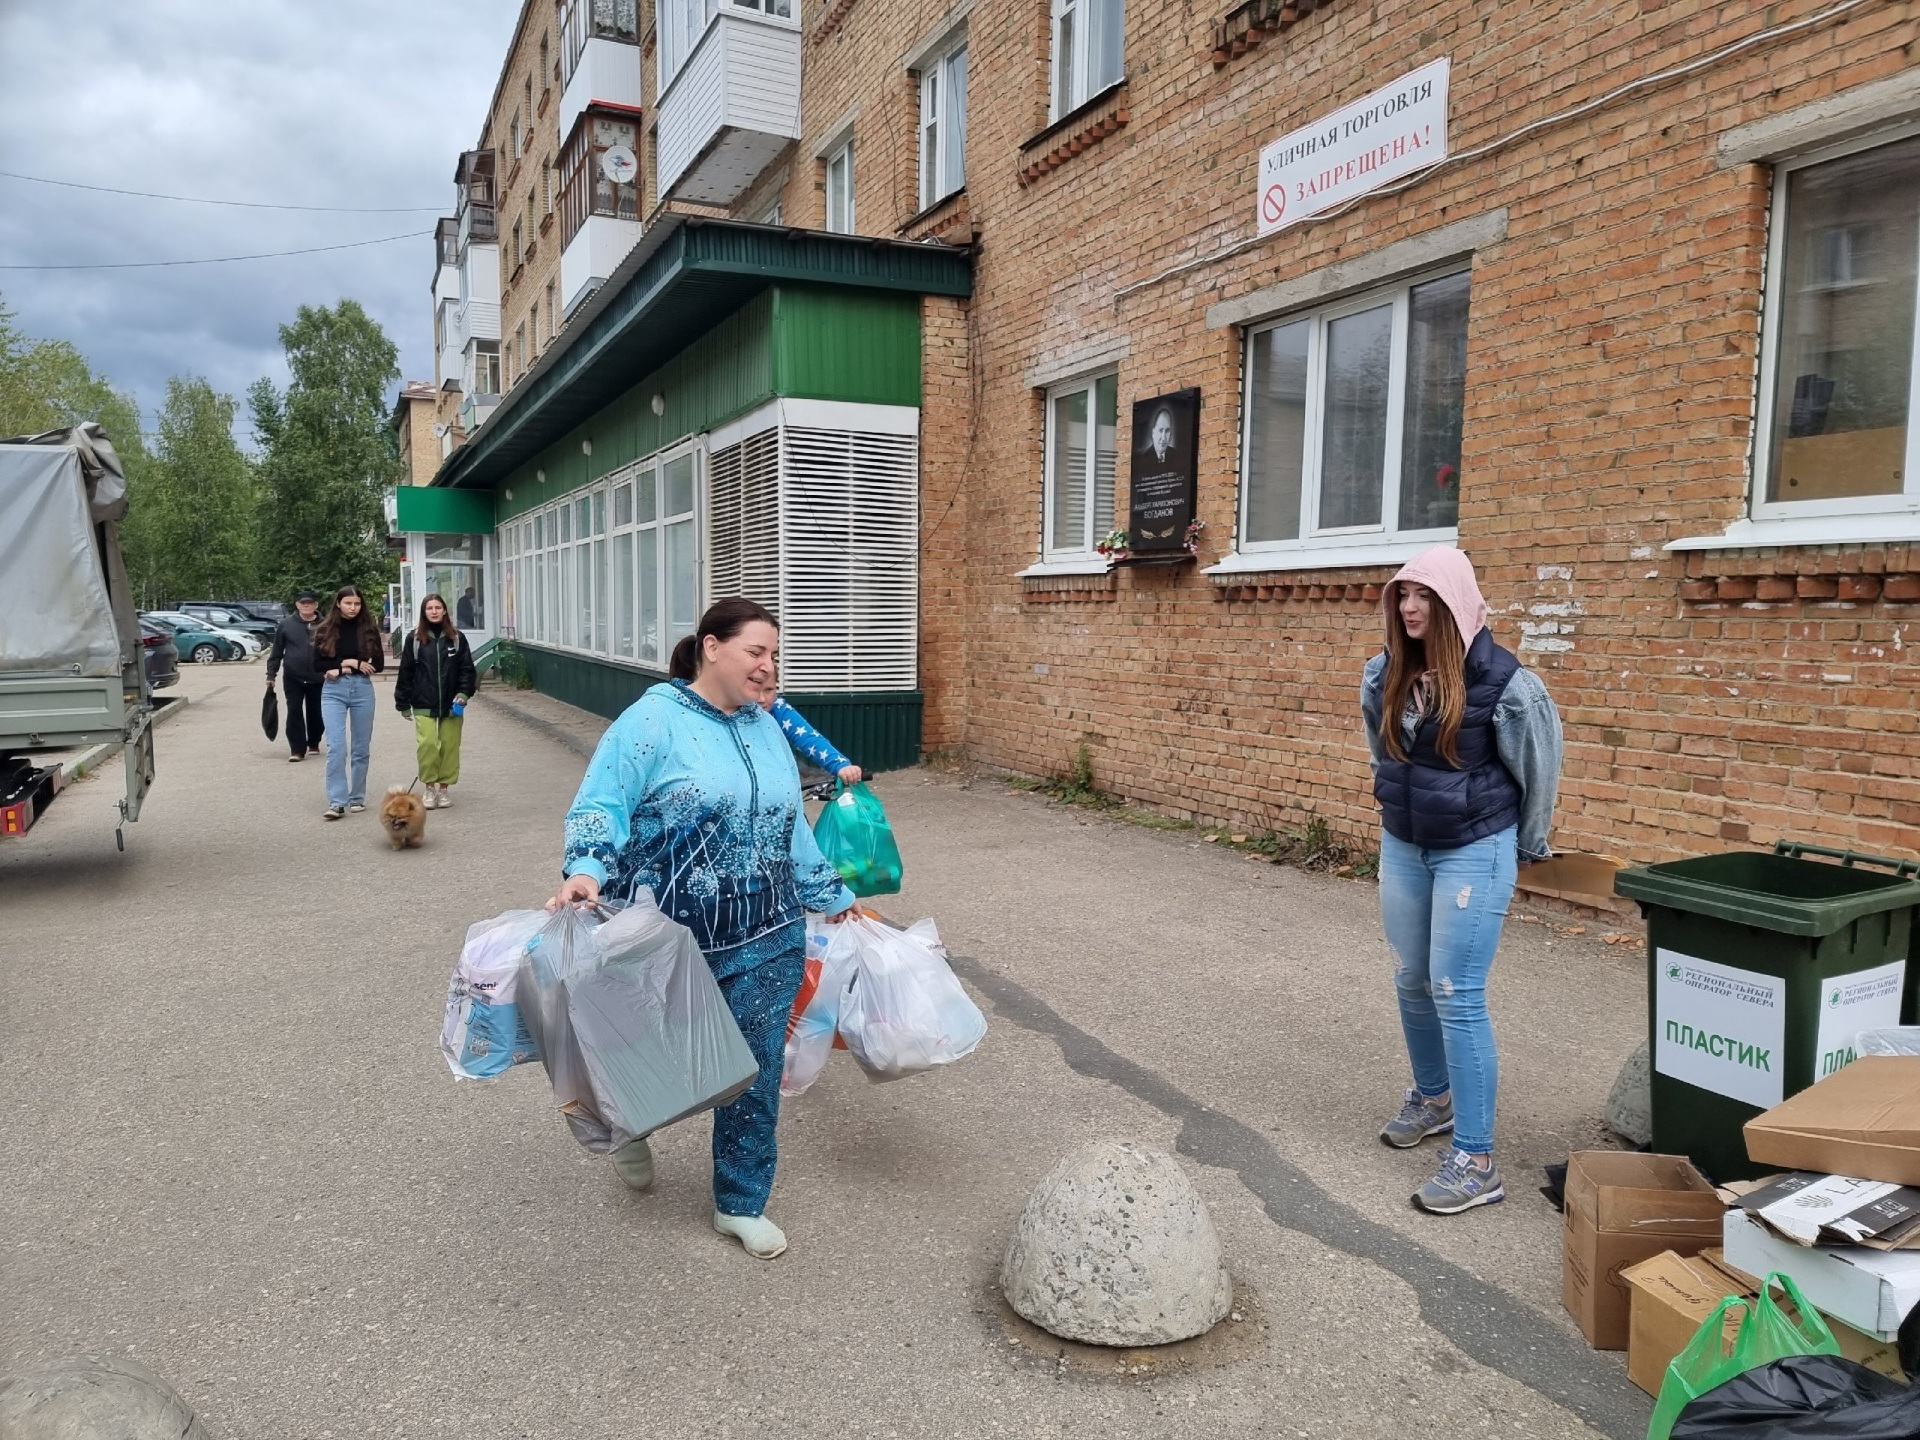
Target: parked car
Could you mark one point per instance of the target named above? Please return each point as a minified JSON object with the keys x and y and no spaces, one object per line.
{"x":162,"y":655}
{"x":271,"y":611}
{"x":246,"y":644}
{"x":195,"y":639}
{"x":228,"y":617}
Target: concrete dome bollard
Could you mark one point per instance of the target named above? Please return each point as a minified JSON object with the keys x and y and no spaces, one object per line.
{"x":1115,"y":1247}
{"x":91,"y":1397}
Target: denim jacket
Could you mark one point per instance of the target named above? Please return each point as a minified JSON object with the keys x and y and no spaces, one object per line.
{"x":1526,"y":730}
{"x":703,"y":808}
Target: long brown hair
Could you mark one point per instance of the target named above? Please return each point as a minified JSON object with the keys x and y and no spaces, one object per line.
{"x":1441,"y":654}
{"x":426,"y":629}
{"x":327,"y":633}
{"x":724,"y":620}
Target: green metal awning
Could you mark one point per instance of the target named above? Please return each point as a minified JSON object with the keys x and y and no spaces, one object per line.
{"x":417,"y":508}
{"x":683,"y":278}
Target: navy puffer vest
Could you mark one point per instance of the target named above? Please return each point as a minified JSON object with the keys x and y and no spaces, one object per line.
{"x":1425,"y":801}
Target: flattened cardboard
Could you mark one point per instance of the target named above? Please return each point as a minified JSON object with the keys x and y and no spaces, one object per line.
{"x":1862,"y":1120}
{"x":1622,"y":1208}
{"x":1835,"y":1210}
{"x":1871,"y":1290}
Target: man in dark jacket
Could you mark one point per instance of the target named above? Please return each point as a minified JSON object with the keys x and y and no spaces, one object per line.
{"x":293,"y":647}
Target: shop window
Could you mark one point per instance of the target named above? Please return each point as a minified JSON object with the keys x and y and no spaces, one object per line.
{"x":456,"y":572}
{"x":840,"y":190}
{"x":943,"y":125}
{"x":589,"y":183}
{"x":1087,"y":52}
{"x":1837,"y":368}
{"x":1082,"y":426}
{"x":1353,"y":420}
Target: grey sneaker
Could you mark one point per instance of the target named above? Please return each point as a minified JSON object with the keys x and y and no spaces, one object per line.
{"x":356,"y":807}
{"x":333,"y":812}
{"x":1418,"y":1118}
{"x":1460,"y":1185}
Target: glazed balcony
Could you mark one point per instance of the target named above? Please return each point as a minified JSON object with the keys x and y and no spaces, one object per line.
{"x":732,"y":104}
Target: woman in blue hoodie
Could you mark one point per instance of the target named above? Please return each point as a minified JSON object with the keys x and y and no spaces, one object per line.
{"x":692,"y":794}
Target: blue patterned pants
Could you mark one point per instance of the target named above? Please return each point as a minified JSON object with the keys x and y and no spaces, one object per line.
{"x":744,"y":1147}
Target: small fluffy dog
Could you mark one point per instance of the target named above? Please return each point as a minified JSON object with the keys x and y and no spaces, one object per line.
{"x":404,"y":816}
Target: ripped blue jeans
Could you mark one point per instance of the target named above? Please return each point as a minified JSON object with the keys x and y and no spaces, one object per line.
{"x":1443,"y":910}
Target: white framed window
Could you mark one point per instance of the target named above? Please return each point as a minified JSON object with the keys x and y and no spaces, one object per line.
{"x":653,"y":557}
{"x":943,"y":125}
{"x":1353,"y":416}
{"x":1081,"y":450}
{"x":840,"y":189}
{"x":1840,"y":351}
{"x":1088,"y":49}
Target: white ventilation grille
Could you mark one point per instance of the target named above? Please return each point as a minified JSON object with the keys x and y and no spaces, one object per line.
{"x":743,"y":540}
{"x":823,"y":527}
{"x":850,"y":562}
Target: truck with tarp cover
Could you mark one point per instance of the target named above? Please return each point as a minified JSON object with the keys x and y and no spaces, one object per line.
{"x":72,"y":672}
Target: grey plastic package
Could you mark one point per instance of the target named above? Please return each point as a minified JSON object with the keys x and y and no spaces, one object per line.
{"x":629,"y":1022}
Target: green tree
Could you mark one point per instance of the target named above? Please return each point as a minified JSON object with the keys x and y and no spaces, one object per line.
{"x":198,"y":519}
{"x":327,"y":457}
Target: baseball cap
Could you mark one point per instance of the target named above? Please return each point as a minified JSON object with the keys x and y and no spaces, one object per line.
{"x":305,"y":595}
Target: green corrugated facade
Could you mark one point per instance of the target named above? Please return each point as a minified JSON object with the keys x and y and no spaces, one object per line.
{"x":878,"y":731}
{"x":806,"y":342}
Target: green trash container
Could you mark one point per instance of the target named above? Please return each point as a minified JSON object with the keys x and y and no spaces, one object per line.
{"x":1761,"y":970}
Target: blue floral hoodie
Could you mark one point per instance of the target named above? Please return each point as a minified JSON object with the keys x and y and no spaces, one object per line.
{"x":703,"y":808}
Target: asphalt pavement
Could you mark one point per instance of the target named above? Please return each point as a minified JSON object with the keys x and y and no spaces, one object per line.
{"x":233,"y":1151}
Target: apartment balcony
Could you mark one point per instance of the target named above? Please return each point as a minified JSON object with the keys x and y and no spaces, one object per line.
{"x":607,"y":73}
{"x":453,"y":342}
{"x":731,"y":107}
{"x":594,"y":252}
{"x":476,"y":408}
{"x":479,"y":320}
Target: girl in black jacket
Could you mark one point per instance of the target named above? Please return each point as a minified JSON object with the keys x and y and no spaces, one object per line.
{"x":436,"y":678}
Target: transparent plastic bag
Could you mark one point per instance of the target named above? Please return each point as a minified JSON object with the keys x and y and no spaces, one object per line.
{"x":483,"y":1034}
{"x":903,"y":1011}
{"x":813,"y":1029}
{"x":1766,"y":1333}
{"x":1892,"y":1040}
{"x":854,"y":835}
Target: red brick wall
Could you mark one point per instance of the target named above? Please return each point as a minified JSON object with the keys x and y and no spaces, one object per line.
{"x":1612,"y":352}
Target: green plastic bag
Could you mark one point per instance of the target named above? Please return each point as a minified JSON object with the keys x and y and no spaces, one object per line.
{"x":854,"y":835}
{"x":1766,"y":1333}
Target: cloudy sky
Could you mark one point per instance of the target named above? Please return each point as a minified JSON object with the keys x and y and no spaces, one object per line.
{"x":348,"y":103}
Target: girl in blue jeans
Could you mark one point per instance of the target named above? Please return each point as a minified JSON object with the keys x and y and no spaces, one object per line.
{"x":1465,"y":744}
{"x":348,"y":651}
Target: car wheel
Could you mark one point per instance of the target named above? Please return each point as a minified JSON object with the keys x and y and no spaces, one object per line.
{"x":205,"y":654}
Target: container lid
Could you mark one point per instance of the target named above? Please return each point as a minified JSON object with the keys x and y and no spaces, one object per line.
{"x":1770,"y":892}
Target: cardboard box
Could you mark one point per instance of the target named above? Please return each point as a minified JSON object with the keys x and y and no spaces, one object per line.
{"x":1834,"y":1209}
{"x":1674,"y":1294}
{"x":1863,"y":1120}
{"x":1672,"y":1297}
{"x":1622,"y":1208}
{"x":1871,"y":1290}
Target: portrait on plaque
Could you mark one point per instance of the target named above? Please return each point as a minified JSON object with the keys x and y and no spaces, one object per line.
{"x":1165,"y":467}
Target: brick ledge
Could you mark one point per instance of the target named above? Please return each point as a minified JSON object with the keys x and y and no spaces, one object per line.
{"x":1324,"y":586}
{"x":830,"y":22}
{"x":1042,"y":588}
{"x":1247,"y":25}
{"x":1104,"y":115}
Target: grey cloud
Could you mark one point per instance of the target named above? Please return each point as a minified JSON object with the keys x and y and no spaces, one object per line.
{"x":349,"y":103}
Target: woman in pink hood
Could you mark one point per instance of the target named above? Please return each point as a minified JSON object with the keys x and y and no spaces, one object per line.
{"x":1466,"y":745}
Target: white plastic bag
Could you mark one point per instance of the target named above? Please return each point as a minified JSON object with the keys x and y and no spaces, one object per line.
{"x":1890,"y":1040}
{"x":483,"y":1034}
{"x":560,"y":951}
{"x":815,"y":1022}
{"x":902,"y":1011}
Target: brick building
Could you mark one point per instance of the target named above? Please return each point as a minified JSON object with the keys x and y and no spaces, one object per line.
{"x":1622,"y":302}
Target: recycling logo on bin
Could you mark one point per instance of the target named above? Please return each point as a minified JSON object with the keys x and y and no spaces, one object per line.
{"x":1721,"y":1028}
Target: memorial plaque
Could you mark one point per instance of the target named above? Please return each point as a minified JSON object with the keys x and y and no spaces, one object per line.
{"x":1165,"y":465}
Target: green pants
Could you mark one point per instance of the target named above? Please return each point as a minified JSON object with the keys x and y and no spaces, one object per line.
{"x":439,"y":745}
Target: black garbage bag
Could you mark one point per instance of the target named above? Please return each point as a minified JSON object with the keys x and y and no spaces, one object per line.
{"x":1804,"y":1397}
{"x":270,"y":714}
